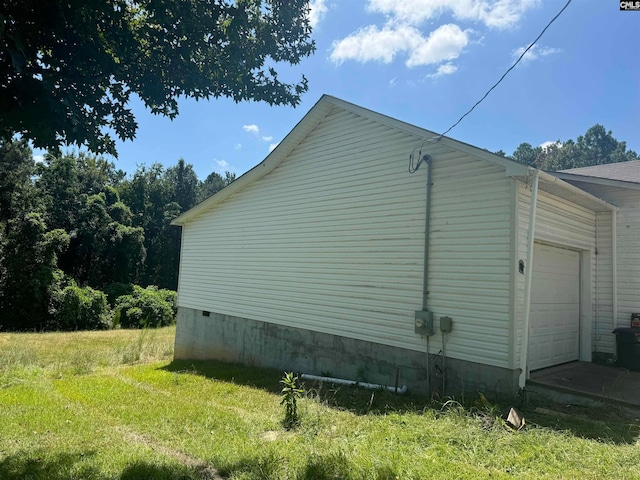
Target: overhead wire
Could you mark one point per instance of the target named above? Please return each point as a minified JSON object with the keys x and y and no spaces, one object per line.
{"x":413,"y":168}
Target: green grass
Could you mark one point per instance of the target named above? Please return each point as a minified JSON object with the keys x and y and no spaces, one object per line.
{"x":103,"y":405}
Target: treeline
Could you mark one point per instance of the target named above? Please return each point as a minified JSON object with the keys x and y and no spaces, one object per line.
{"x":79,"y":239}
{"x":596,"y":147}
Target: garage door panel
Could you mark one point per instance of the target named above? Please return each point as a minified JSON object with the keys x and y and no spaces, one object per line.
{"x":554,"y":324}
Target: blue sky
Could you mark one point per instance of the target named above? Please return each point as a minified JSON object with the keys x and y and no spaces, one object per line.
{"x":427,"y":62}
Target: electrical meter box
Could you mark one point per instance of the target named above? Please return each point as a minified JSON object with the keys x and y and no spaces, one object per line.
{"x":445,"y":324}
{"x":424,"y":323}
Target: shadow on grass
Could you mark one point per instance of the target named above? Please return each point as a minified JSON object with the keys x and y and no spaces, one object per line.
{"x":63,"y":466}
{"x":317,"y":467}
{"x":354,"y":399}
{"x":38,"y":466}
{"x":601,"y":424}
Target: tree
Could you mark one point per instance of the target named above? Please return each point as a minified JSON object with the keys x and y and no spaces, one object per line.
{"x":214,"y":183}
{"x":18,"y":194}
{"x":29,"y":274}
{"x":68,"y":68}
{"x":596,"y":147}
{"x":527,"y":154}
{"x":183,"y":180}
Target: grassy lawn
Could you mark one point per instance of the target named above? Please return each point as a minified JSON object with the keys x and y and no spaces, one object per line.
{"x":103,"y":405}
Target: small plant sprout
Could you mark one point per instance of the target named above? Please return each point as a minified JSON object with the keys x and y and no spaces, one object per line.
{"x":290,"y":394}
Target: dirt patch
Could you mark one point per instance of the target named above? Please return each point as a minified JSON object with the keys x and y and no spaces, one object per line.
{"x":270,"y":436}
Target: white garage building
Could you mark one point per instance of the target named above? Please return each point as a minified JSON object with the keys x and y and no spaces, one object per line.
{"x":325,"y":256}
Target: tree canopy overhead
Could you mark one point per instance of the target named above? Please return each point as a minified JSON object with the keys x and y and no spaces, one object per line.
{"x":69,"y":67}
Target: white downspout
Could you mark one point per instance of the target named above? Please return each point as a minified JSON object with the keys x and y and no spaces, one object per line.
{"x":524,"y":347}
{"x":614,"y":264}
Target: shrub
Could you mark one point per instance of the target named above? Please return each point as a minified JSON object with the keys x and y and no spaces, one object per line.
{"x":146,"y":307}
{"x":81,"y":308}
{"x":116,"y":290}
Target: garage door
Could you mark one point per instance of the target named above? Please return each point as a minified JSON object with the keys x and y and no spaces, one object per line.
{"x":554,"y":322}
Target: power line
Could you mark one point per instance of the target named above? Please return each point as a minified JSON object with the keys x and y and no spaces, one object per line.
{"x":505,"y":73}
{"x":413,"y":168}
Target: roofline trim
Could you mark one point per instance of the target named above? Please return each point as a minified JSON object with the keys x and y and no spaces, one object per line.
{"x":549,"y":178}
{"x":596,"y":180}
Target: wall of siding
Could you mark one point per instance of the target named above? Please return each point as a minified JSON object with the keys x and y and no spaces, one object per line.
{"x":628,"y":253}
{"x":558,"y":222}
{"x":470,"y":254}
{"x":332,"y":240}
{"x":602,"y":339}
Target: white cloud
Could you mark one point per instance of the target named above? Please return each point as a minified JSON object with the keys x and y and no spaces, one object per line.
{"x":444,"y":43}
{"x":221,"y":165}
{"x":38,"y":158}
{"x":272,"y":146}
{"x":493,"y":13}
{"x":253,"y":128}
{"x":445,"y":69}
{"x":373,"y":44}
{"x":534,"y":53}
{"x":370,"y":43}
{"x":547,"y":144}
{"x":238,"y":146}
{"x":317,"y":10}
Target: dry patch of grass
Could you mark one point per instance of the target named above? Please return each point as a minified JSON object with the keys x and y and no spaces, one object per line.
{"x":83,"y":352}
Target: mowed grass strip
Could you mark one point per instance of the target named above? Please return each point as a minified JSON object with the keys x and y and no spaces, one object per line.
{"x":113,"y":405}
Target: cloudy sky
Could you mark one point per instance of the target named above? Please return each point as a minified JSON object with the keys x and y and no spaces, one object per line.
{"x":427,"y":62}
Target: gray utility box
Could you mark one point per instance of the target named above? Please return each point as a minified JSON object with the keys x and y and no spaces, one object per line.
{"x":424,"y":323}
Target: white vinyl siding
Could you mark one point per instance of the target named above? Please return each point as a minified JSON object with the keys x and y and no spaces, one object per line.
{"x":628,"y":264}
{"x":332,"y":240}
{"x":558,"y":222}
{"x":470,"y":254}
{"x":601,"y":337}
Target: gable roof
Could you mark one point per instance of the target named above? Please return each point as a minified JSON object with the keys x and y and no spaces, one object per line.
{"x":622,"y":174}
{"x":322,"y":108}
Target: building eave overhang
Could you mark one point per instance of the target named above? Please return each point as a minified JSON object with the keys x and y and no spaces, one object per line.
{"x":558,"y":187}
{"x":596,"y":180}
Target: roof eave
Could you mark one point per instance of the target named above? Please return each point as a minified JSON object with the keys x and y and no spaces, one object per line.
{"x":596,"y":180}
{"x":554,"y":184}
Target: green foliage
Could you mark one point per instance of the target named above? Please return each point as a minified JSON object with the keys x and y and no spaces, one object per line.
{"x":18,"y":195}
{"x":29,"y":272}
{"x":81,"y":308}
{"x":68,"y":69}
{"x":117,"y":289}
{"x":596,"y":147}
{"x":289,"y":398}
{"x":213,"y":184}
{"x":146,"y":307}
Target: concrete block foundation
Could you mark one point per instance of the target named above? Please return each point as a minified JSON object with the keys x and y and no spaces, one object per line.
{"x":252,"y":342}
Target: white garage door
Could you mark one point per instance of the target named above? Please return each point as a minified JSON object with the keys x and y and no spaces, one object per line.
{"x":554,"y":323}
